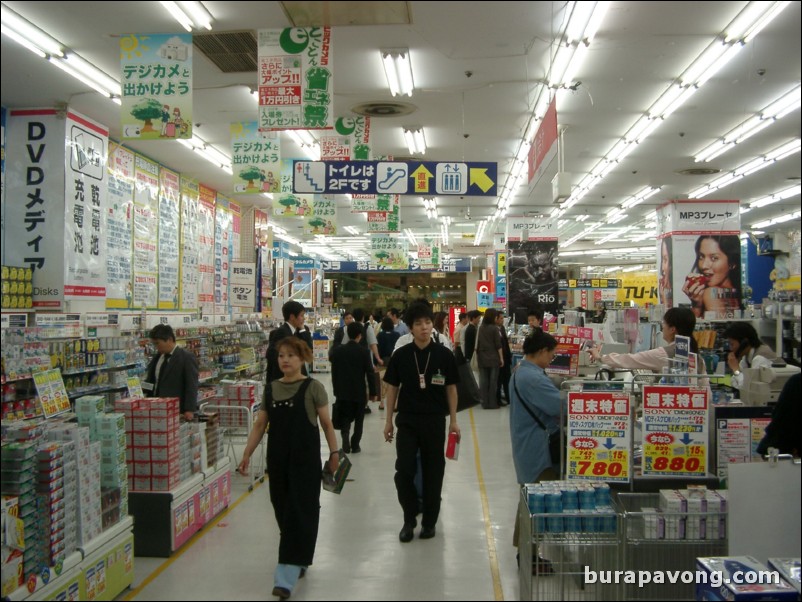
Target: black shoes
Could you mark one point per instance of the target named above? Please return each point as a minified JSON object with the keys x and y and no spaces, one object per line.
{"x":355,"y":449}
{"x":427,"y":532}
{"x":407,"y":533}
{"x":282,"y":593}
{"x":346,"y":446}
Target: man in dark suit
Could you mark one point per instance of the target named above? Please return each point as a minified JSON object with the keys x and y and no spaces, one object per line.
{"x":339,"y":334}
{"x":505,"y":373}
{"x":470,"y":334}
{"x":173,"y":371}
{"x":350,"y":369}
{"x":294,"y":315}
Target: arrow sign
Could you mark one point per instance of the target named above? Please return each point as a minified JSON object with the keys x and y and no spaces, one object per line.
{"x":686,"y":439}
{"x":609,"y":444}
{"x":480,"y":179}
{"x":421,"y":177}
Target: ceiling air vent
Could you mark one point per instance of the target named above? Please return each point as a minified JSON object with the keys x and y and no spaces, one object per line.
{"x":384,"y":108}
{"x":231,"y":51}
{"x":698,"y":171}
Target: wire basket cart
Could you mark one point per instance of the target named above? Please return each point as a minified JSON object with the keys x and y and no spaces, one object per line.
{"x":562,"y":545}
{"x":235,"y":423}
{"x":665,"y":541}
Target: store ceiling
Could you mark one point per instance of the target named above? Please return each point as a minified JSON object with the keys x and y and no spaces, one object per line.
{"x":478,"y":67}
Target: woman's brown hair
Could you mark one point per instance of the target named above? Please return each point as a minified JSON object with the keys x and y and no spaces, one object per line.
{"x":297,"y":346}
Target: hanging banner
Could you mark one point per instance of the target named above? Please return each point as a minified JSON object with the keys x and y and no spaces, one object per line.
{"x":34,"y":231}
{"x":323,"y":219}
{"x":429,"y":252}
{"x":386,"y":221}
{"x":296,"y":84}
{"x":169,"y":192}
{"x":350,"y":142}
{"x":675,"y":430}
{"x":120,"y":225}
{"x":501,"y":276}
{"x":86,"y":204}
{"x":364,"y":203}
{"x":243,"y":285}
{"x":544,"y":145}
{"x":255,"y":158}
{"x":640,"y":287}
{"x":301,"y":286}
{"x":293,"y":205}
{"x":700,"y":240}
{"x":146,"y":234}
{"x":222,"y":254}
{"x":530,"y":228}
{"x":453,"y":264}
{"x":532,"y":278}
{"x":206,"y":257}
{"x":156,"y":86}
{"x":189,"y":277}
{"x":599,"y":437}
{"x":389,"y":252}
{"x":236,"y":230}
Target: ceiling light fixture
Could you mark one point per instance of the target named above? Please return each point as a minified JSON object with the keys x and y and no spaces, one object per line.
{"x":398,"y":69}
{"x":352,"y":230}
{"x":28,"y":35}
{"x":189,"y":14}
{"x":780,"y":219}
{"x":410,"y":237}
{"x":415,"y":139}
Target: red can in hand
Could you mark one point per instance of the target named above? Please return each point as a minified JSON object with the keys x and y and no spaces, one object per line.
{"x":452,"y":447}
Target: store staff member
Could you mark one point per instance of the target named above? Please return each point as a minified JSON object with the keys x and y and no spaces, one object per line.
{"x":746,"y":351}
{"x":423,"y":377}
{"x":173,"y":371}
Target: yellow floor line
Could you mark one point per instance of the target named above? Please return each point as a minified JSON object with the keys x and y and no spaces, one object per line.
{"x":192,"y":541}
{"x":491,"y":541}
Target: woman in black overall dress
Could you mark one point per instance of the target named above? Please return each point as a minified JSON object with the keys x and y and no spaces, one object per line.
{"x":293,"y":459}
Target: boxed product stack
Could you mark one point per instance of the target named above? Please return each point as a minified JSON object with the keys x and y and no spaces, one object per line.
{"x":789,"y":569}
{"x":240,"y":394}
{"x":110,"y":432}
{"x":189,"y":434}
{"x":214,"y":444}
{"x":12,"y":544}
{"x":17,"y":287}
{"x":87,"y":471}
{"x":739,"y":578}
{"x":572,"y":507}
{"x":52,"y":482}
{"x":154,"y":458}
{"x":691,"y":514}
{"x":18,"y":464}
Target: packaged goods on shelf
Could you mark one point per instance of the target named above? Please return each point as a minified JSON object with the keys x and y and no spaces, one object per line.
{"x":736,"y":582}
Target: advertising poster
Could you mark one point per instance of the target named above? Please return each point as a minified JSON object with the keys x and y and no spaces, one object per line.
{"x":363,"y":203}
{"x":389,"y":252}
{"x":289,"y":204}
{"x":599,"y":437}
{"x":156,"y":82}
{"x":243,"y":285}
{"x":51,"y":392}
{"x":429,"y":252}
{"x":501,"y":276}
{"x":699,"y":257}
{"x":255,"y":159}
{"x":296,"y":84}
{"x":638,"y":287}
{"x":385,"y":221}
{"x":146,"y":234}
{"x":323,"y":219}
{"x":120,"y":225}
{"x":301,"y":286}
{"x":190,"y":245}
{"x":169,"y":254}
{"x":222,"y":254}
{"x":532,"y":278}
{"x":566,"y":358}
{"x":350,"y":140}
{"x":86,"y":204}
{"x":206,"y":256}
{"x":236,"y":230}
{"x":675,"y":430}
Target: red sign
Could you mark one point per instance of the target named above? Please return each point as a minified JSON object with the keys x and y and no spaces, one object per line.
{"x":483,"y":286}
{"x":544,"y":142}
{"x":453,"y":319}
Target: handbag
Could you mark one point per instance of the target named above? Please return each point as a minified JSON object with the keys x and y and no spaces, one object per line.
{"x":555,"y":448}
{"x":467,"y":389}
{"x":335,"y":481}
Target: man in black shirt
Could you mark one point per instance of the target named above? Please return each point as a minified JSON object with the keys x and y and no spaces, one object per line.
{"x":422,"y":376}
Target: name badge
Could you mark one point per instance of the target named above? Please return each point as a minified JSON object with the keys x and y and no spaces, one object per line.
{"x":438,"y":379}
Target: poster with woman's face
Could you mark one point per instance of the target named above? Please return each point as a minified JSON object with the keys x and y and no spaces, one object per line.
{"x":707,"y":274}
{"x":665,"y":286}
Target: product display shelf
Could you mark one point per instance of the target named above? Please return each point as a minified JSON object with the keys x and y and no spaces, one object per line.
{"x":166,"y":520}
{"x":99,"y":570}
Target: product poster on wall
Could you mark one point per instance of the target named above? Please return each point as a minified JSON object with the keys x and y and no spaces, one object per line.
{"x":120,"y":224}
{"x":532,"y":278}
{"x":206,"y":255}
{"x":146,"y":234}
{"x":156,"y":86}
{"x":236,"y":230}
{"x":86,"y":204}
{"x":169,"y":192}
{"x":255,"y":158}
{"x":190,"y":245}
{"x":296,"y":85}
{"x":701,"y":240}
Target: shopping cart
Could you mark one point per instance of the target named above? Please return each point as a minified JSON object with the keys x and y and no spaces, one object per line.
{"x":236,"y":422}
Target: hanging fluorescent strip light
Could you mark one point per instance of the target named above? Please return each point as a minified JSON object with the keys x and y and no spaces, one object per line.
{"x":36,"y":40}
{"x":302,"y":137}
{"x":197,"y":11}
{"x":79,"y":76}
{"x":352,"y":230}
{"x":774,"y":198}
{"x":92,"y":73}
{"x":415,"y":139}
{"x":410,"y":236}
{"x":780,"y":219}
{"x":178,"y":14}
{"x":398,"y":69}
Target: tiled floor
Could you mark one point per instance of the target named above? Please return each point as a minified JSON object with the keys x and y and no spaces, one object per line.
{"x":358,"y":554}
